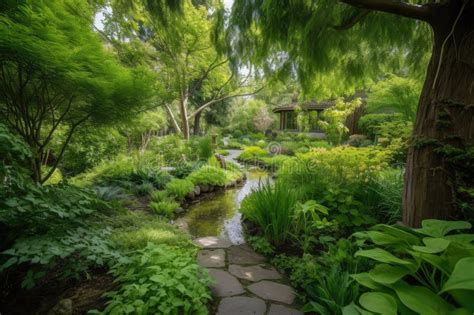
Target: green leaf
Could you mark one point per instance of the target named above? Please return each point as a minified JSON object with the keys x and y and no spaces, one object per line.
{"x":398,"y":232}
{"x":439,"y":228}
{"x":353,"y":309}
{"x":421,"y":299}
{"x":433,"y":245}
{"x":10,"y":262}
{"x":462,"y":277}
{"x":387,"y":274}
{"x":382,"y":255}
{"x":364,"y":279}
{"x":379,"y":302}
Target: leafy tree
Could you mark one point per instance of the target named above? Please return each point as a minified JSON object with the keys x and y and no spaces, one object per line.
{"x":336,"y":46}
{"x":333,"y":119}
{"x":250,"y":116}
{"x":185,"y":58}
{"x":56,"y":74}
{"x":395,"y":94}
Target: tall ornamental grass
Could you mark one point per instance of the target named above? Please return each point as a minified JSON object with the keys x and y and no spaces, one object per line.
{"x":271,"y":207}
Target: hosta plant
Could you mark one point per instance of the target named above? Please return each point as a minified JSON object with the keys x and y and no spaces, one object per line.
{"x":429,"y":270}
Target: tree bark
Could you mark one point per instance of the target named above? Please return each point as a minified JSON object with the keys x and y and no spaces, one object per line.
{"x":197,"y":124}
{"x":445,"y":117}
{"x":183,"y":109}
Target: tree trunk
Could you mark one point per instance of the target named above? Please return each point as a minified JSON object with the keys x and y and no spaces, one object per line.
{"x":444,"y":120}
{"x":197,"y":124}
{"x":183,"y":110}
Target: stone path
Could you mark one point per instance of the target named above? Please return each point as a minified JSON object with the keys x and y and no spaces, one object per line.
{"x":243,"y":282}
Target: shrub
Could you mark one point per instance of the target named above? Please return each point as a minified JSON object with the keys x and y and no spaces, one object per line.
{"x":211,"y":175}
{"x":78,"y":250}
{"x":342,"y":167}
{"x":179,"y":188}
{"x":427,"y":270}
{"x":251,"y":153}
{"x":356,"y":140}
{"x":164,"y":208}
{"x":271,"y":207}
{"x":370,"y":124}
{"x":160,"y":280}
{"x":201,"y":147}
{"x":173,"y":149}
{"x":182,"y":170}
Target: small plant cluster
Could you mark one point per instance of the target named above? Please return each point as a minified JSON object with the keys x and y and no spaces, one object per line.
{"x":159,"y":280}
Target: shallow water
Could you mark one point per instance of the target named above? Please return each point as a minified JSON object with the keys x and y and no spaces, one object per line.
{"x":219,"y":216}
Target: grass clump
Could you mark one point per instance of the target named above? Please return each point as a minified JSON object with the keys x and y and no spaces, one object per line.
{"x":270,"y":207}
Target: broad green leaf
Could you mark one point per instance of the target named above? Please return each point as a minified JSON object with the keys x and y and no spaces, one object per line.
{"x":396,"y":231}
{"x":421,"y":299}
{"x":353,"y":309}
{"x":380,"y":238}
{"x":387,"y":274}
{"x":364,"y":279}
{"x":462,"y":277}
{"x":379,"y":302}
{"x":439,"y":228}
{"x":382,"y":255}
{"x":433,"y":245}
{"x":464,"y":299}
{"x":467,"y":239}
{"x":437,"y":261}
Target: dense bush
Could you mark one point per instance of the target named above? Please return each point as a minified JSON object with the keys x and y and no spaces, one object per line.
{"x":370,"y":124}
{"x":160,"y":280}
{"x":345,"y":168}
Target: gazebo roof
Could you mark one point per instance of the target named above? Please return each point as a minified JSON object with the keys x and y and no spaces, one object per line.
{"x":311,"y":105}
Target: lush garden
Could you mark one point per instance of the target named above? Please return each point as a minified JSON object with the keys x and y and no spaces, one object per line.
{"x":117,"y":118}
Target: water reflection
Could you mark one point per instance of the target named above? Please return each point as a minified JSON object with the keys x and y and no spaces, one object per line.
{"x":219,"y":216}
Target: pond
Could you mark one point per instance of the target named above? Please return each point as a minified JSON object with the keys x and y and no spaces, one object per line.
{"x":219,"y":215}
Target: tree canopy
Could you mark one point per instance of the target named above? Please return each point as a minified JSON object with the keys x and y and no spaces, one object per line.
{"x":332,"y":46}
{"x":56,"y":72}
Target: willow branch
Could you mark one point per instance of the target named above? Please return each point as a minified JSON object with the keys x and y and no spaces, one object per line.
{"x":413,"y":11}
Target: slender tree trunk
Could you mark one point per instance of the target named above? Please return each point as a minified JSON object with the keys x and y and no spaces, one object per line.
{"x":197,"y":124}
{"x":445,"y":119}
{"x":183,"y":110}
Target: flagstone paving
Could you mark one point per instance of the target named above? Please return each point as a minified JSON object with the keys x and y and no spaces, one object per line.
{"x":244,"y":283}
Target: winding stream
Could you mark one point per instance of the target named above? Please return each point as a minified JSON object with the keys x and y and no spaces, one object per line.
{"x":219,"y":215}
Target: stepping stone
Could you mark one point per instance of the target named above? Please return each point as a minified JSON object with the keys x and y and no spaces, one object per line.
{"x":276,"y":309}
{"x":241,"y":305}
{"x":254,"y":273}
{"x":224,"y":283}
{"x":244,"y":255}
{"x":269,"y":290}
{"x":211,"y":258}
{"x":212,"y":242}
